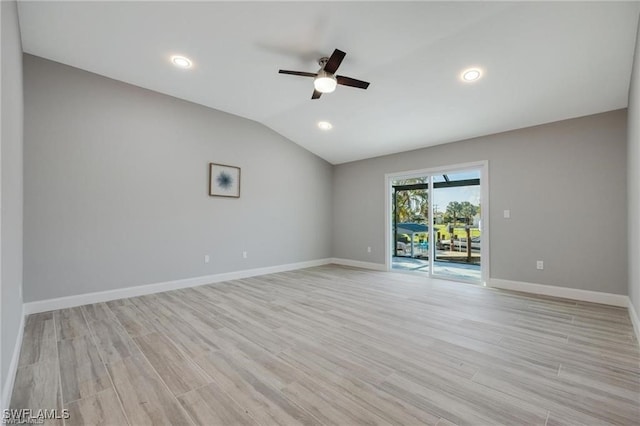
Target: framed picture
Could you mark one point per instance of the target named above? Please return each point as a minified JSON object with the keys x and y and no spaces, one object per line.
{"x":224,"y":181}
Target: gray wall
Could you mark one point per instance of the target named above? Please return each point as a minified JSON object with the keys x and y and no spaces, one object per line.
{"x":633,"y":181}
{"x":116,"y":190}
{"x":565,"y":184}
{"x":11,"y":190}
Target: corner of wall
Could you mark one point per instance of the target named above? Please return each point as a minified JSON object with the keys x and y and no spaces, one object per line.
{"x":633,"y":185}
{"x":7,"y":386}
{"x":11,"y":198}
{"x":635,"y":320}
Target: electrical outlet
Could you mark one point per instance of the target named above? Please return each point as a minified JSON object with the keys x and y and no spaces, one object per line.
{"x":207,"y":259}
{"x":368,"y":249}
{"x":244,"y":254}
{"x":539,"y":264}
{"x":507,"y":214}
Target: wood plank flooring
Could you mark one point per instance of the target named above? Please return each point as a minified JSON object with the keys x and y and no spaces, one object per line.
{"x":333,"y":345}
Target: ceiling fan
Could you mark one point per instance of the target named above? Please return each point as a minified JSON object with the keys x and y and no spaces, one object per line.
{"x":325,"y":80}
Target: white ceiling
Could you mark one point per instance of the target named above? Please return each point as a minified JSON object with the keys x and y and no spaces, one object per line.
{"x":543,"y":62}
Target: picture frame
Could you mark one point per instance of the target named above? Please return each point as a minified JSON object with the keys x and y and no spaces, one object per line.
{"x":224,"y":180}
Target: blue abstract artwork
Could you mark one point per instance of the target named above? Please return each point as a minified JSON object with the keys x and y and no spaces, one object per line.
{"x":224,"y":181}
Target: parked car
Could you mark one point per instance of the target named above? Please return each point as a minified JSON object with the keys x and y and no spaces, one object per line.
{"x":461,"y":244}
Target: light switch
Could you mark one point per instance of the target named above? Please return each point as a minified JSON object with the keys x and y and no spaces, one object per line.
{"x":507,"y":214}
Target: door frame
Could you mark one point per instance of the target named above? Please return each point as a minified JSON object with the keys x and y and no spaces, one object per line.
{"x":483,"y":166}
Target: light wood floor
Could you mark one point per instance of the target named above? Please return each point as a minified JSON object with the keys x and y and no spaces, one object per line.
{"x":333,"y":345}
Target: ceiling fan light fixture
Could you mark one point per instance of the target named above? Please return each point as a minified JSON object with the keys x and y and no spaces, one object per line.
{"x":325,"y":82}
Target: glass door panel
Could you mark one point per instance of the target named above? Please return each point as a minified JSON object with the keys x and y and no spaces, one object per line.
{"x":410,"y":230}
{"x":457,"y":225}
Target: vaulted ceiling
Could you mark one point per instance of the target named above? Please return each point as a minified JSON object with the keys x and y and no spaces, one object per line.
{"x":541,"y":62}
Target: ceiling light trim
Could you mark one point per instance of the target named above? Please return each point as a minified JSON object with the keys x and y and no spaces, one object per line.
{"x":181,"y":61}
{"x":325,"y":125}
{"x":471,"y":74}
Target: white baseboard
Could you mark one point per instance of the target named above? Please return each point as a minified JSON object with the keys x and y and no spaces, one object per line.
{"x":359,"y":264}
{"x":7,"y":390}
{"x":563,"y":292}
{"x":105,"y":296}
{"x":633,"y":314}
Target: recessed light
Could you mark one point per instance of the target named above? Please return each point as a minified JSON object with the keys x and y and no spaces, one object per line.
{"x":181,"y":61}
{"x":325,"y":125}
{"x":471,"y":74}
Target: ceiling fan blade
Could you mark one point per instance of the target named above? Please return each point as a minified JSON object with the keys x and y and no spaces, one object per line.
{"x":316,"y":95}
{"x":334,"y":61}
{"x":352,"y":82}
{"x":300,"y":73}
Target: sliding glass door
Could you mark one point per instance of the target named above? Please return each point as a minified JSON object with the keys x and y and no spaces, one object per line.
{"x":436,"y":223}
